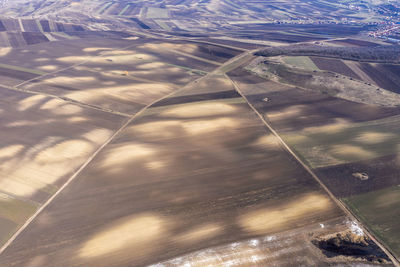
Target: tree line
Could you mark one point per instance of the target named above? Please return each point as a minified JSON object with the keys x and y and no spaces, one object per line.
{"x":380,"y":54}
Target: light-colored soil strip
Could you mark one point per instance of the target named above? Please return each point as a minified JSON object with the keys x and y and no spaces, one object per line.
{"x":11,"y":67}
{"x":21,"y":26}
{"x":234,"y":62}
{"x":157,"y":13}
{"x":303,"y":62}
{"x":64,"y":35}
{"x":163,"y":25}
{"x":104,"y":7}
{"x":311,"y":172}
{"x":4,"y":40}
{"x":50,"y":36}
{"x":233,"y":5}
{"x":124,"y":9}
{"x":39,"y":25}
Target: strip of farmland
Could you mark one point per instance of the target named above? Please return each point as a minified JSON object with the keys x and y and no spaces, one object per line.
{"x":151,"y":164}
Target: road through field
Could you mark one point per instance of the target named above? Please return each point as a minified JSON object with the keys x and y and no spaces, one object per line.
{"x":188,"y":173}
{"x":311,"y":172}
{"x":129,"y":120}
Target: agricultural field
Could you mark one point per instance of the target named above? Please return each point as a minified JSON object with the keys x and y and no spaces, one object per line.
{"x":196,"y":132}
{"x":292,"y":248}
{"x":340,"y":143}
{"x":301,"y":62}
{"x":17,"y":33}
{"x":43,"y":142}
{"x":208,"y":16}
{"x":384,"y":75}
{"x":323,"y":82}
{"x":151,"y":164}
{"x":76,"y":100}
{"x":131,"y":77}
{"x":379,"y":210}
{"x":340,"y":139}
{"x":354,"y":42}
{"x":334,"y":65}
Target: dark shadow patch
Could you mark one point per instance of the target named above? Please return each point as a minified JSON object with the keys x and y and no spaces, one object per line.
{"x":140,"y":23}
{"x":2,"y":27}
{"x":16,"y":74}
{"x":34,"y":37}
{"x":351,"y":245}
{"x":45,"y":25}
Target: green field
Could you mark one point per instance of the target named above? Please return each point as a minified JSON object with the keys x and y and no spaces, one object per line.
{"x":163,"y":25}
{"x":380,"y":211}
{"x":11,"y":67}
{"x":157,"y":13}
{"x":301,"y":62}
{"x":340,"y":143}
{"x":13,"y":213}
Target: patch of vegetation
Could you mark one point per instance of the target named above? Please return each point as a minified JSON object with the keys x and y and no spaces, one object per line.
{"x":351,"y":245}
{"x":379,"y":210}
{"x":320,"y":146}
{"x":302,"y":78}
{"x":22,"y":69}
{"x":381,"y":54}
{"x":328,"y":83}
{"x":301,"y":62}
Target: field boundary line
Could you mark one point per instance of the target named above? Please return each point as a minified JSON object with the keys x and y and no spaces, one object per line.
{"x":311,"y":172}
{"x":68,"y":100}
{"x":88,"y":58}
{"x":215,"y":63}
{"x":87,"y":162}
{"x":212,"y":43}
{"x":52,"y":73}
{"x":93,"y":156}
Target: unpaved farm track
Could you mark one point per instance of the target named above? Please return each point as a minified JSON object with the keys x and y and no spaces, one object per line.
{"x":337,"y":201}
{"x":150,"y":220}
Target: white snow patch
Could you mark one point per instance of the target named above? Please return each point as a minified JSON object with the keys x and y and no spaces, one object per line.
{"x":254,"y":242}
{"x":356,"y":229}
{"x":255,"y":258}
{"x":235,"y":245}
{"x":270,"y":238}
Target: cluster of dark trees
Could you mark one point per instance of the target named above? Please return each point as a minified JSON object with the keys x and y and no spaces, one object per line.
{"x":381,"y":54}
